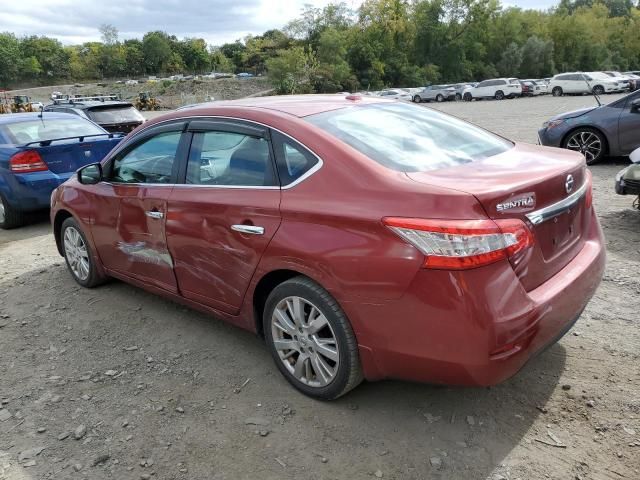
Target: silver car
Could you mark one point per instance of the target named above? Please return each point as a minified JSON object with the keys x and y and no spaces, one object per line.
{"x":439,"y":93}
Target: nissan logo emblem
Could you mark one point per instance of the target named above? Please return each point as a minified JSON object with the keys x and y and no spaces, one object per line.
{"x":568,"y":184}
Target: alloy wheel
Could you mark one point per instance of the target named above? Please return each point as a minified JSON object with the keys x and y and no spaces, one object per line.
{"x":587,"y":143}
{"x":305,"y":342}
{"x":76,"y":252}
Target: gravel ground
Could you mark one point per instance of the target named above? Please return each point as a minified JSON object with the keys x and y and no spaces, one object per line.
{"x":117,"y":383}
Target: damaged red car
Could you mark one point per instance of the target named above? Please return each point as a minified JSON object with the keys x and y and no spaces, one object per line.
{"x":362,"y":238}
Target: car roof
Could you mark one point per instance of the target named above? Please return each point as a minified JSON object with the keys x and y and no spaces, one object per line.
{"x":29,"y":116}
{"x":296,"y":105}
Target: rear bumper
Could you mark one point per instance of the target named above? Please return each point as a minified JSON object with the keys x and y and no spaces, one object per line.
{"x":31,"y":191}
{"x":477,"y":327}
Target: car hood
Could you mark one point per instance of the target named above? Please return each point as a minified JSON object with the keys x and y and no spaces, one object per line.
{"x":575,"y":113}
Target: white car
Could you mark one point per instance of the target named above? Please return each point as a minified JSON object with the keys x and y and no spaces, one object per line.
{"x":539,"y":87}
{"x":131,"y":82}
{"x":498,"y":88}
{"x":583,"y":82}
{"x":619,"y":77}
{"x":395,"y":93}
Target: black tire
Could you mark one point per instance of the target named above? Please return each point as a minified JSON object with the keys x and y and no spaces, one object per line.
{"x":9,"y":216}
{"x":557,"y":92}
{"x":417,"y":99}
{"x":349,"y":372}
{"x":585,"y":130}
{"x":499,"y":95}
{"x":467,"y":97}
{"x":93,"y":278}
{"x":598,"y":90}
{"x":458,"y":97}
{"x":439,"y":98}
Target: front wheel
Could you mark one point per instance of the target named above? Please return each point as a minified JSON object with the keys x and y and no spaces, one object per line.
{"x":311,"y":339}
{"x":467,"y":97}
{"x":556,"y":92}
{"x":77,"y":254}
{"x":591,"y":143}
{"x":598,"y":90}
{"x":439,"y":98}
{"x":417,"y":99}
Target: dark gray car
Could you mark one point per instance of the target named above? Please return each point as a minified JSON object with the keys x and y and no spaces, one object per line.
{"x":596,"y":132}
{"x":439,"y":93}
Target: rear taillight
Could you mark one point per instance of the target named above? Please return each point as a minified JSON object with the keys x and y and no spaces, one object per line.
{"x":26,"y":162}
{"x":588,"y":198}
{"x":462,"y":244}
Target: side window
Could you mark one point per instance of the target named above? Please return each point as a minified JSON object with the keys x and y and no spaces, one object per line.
{"x":229,"y":159}
{"x":148,"y":162}
{"x":293,"y":159}
{"x":486,"y":83}
{"x":563,"y":77}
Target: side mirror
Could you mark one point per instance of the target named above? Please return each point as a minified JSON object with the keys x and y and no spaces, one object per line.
{"x":90,"y":174}
{"x":635,"y":106}
{"x":635,"y":156}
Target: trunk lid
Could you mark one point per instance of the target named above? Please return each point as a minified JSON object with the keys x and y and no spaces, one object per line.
{"x":69,"y":155}
{"x":513,"y":184}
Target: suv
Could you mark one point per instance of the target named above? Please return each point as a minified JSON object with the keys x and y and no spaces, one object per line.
{"x":439,"y":93}
{"x":580,"y":82}
{"x":114,"y":116}
{"x":498,"y":88}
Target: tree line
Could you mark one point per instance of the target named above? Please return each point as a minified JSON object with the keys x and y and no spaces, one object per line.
{"x":382,"y":43}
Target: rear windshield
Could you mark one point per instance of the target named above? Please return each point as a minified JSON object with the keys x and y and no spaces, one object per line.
{"x":410,"y":138}
{"x":115,"y":115}
{"x":43,"y":129}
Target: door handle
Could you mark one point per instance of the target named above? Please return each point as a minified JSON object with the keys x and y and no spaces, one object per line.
{"x":250,"y":229}
{"x":154,"y":214}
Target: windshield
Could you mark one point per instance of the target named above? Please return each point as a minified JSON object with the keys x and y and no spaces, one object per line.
{"x":41,"y":130}
{"x":599,"y":75}
{"x":409,"y":138}
{"x":116,"y":114}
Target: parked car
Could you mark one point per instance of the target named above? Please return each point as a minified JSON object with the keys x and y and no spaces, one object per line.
{"x":579,"y":83}
{"x":498,"y":88}
{"x":628,"y":179}
{"x":527,"y":88}
{"x":38,"y":153}
{"x":634,"y":81}
{"x":539,"y":86}
{"x":395,"y":94}
{"x":596,"y":132}
{"x":460,"y":88}
{"x":339,"y":229}
{"x":622,"y":80}
{"x":439,"y":93}
{"x":131,"y":82}
{"x":112,"y":115}
{"x":245,"y":75}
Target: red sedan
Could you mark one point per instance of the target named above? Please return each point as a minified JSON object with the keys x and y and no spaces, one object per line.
{"x":362,"y":238}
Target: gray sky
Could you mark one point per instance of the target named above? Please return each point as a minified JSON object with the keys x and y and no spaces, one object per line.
{"x":217,"y":21}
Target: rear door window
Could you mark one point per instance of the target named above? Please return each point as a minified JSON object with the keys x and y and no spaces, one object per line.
{"x":222,"y":158}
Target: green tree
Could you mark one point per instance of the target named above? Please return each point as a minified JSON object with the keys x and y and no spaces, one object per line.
{"x":156,"y":49}
{"x":9,"y":59}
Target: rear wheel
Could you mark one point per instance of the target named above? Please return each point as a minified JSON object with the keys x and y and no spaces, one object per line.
{"x":467,"y":97}
{"x":556,"y":92}
{"x":439,"y":98}
{"x":499,"y":95}
{"x":458,"y":97}
{"x":417,"y":99}
{"x":591,"y":143}
{"x":598,"y":90}
{"x":77,"y":254}
{"x":311,"y":339}
{"x":9,"y":216}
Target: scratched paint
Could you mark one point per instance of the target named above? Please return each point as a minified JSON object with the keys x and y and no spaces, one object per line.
{"x":141,"y":252}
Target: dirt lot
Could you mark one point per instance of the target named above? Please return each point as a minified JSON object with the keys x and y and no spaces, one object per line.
{"x":117,"y":383}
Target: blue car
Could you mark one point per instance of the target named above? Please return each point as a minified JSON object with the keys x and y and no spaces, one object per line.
{"x":38,"y":152}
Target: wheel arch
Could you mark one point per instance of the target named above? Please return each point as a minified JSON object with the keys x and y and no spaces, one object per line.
{"x":264,"y":287}
{"x":59,"y":219}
